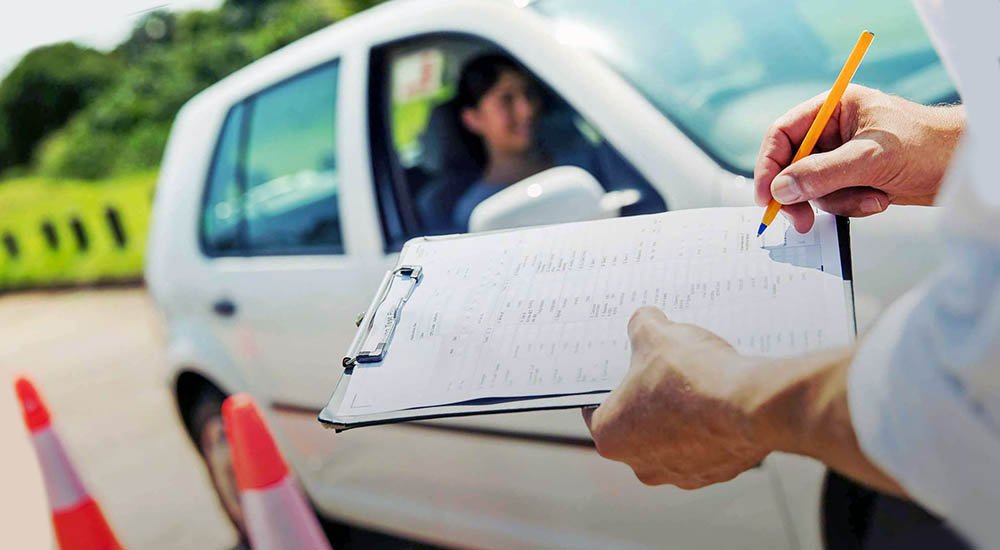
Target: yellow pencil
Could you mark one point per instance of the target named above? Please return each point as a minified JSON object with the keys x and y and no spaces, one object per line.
{"x":823,"y":116}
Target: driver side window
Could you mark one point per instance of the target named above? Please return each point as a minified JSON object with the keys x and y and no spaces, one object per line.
{"x":438,"y":165}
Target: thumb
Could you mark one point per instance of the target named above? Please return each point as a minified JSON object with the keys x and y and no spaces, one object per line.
{"x":645,"y":328}
{"x":850,"y":165}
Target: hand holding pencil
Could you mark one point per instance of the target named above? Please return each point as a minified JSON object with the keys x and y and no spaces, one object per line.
{"x":822,"y":118}
{"x":875,"y":150}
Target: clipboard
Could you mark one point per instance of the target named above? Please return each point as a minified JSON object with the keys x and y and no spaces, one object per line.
{"x":361,"y":351}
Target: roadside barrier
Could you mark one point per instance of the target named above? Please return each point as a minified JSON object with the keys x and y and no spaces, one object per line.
{"x":78,"y":521}
{"x":69,"y":233}
{"x":275,"y":511}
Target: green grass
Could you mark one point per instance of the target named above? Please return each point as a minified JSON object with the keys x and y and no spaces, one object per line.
{"x":27,"y":204}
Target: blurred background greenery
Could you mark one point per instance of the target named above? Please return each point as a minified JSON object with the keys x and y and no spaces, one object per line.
{"x":82,"y":132}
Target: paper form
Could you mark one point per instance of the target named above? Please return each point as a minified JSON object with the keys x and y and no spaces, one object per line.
{"x":544,"y":311}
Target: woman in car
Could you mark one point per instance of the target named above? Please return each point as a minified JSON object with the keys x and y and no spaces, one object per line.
{"x":498,"y":106}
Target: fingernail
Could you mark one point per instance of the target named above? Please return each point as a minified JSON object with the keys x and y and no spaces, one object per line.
{"x":871,"y":205}
{"x":785,"y":189}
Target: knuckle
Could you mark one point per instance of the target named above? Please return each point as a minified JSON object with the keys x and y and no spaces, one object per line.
{"x":813,"y":175}
{"x":871,"y":151}
{"x":762,"y":183}
{"x":599,"y":446}
{"x":856,"y":91}
{"x":604,"y":441}
{"x":645,"y":312}
{"x":773,"y":131}
{"x":640,"y":321}
{"x":605,"y":447}
{"x":849,"y":210}
{"x":712,"y":339}
{"x":805,"y":173}
{"x":647,"y":477}
{"x":836,"y":207}
{"x":727,"y":476}
{"x":689,"y":484}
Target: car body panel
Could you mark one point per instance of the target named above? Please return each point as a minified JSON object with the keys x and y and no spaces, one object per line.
{"x":453,"y":488}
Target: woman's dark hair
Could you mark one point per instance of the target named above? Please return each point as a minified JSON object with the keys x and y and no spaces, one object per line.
{"x":478,"y":76}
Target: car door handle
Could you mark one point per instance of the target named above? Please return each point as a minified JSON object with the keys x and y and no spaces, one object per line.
{"x":224,"y":308}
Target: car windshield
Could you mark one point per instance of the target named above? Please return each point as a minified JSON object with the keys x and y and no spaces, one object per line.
{"x":722,"y":71}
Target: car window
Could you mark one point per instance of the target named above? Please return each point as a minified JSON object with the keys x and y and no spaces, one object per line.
{"x":222,"y":214}
{"x":722,"y":71}
{"x":274,"y":185}
{"x":291,"y":166}
{"x":437,"y":162}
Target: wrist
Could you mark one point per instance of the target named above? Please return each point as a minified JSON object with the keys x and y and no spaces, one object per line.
{"x":951,"y":120}
{"x":945,"y":126}
{"x":790,"y":401}
{"x":799,"y":405}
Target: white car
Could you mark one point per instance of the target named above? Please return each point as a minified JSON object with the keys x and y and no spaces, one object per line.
{"x":287,"y":189}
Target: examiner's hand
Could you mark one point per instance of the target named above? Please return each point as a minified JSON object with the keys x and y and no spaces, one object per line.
{"x":676,"y":417}
{"x":876,"y":150}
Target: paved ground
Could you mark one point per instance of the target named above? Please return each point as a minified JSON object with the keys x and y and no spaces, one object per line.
{"x":97,"y":357}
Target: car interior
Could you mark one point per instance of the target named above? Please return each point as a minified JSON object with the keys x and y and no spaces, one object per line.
{"x":436,"y":164}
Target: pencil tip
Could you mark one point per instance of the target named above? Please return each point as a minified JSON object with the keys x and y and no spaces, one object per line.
{"x":760,"y":230}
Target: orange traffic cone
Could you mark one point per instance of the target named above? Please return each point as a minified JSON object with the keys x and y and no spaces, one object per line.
{"x":275,"y":511}
{"x":77,"y":518}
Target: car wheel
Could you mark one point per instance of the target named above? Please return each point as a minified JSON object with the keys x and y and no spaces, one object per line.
{"x":205,"y":421}
{"x":210,"y":437}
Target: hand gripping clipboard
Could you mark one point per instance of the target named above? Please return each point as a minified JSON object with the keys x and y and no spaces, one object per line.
{"x":376,"y":328}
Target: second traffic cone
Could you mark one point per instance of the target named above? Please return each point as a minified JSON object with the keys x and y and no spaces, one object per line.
{"x":77,"y":518}
{"x":275,"y":511}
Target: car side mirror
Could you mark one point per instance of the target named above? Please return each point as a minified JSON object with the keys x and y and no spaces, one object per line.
{"x":557,"y":195}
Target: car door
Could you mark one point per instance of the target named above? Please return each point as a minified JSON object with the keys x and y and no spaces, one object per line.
{"x":296,"y":259}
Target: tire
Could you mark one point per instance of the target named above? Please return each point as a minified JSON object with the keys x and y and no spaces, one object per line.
{"x":205,"y":421}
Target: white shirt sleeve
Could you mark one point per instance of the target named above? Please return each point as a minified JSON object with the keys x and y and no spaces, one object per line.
{"x":924,"y":387}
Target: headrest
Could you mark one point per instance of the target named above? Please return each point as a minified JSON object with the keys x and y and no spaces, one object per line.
{"x":443,"y":145}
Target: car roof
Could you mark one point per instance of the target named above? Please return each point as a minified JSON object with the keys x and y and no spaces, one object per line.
{"x":322,"y":46}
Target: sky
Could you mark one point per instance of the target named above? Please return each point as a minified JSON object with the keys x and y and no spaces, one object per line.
{"x":100,"y":24}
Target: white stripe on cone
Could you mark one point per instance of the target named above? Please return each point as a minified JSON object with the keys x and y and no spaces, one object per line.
{"x":278,"y":518}
{"x":62,"y":484}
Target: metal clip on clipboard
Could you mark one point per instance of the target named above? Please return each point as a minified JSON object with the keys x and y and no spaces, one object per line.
{"x":358,"y":353}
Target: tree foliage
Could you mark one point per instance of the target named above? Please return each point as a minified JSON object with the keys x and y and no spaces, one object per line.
{"x":47,"y":87}
{"x":167,"y":59}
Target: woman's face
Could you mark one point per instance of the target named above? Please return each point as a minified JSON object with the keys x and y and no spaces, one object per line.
{"x":505,"y":117}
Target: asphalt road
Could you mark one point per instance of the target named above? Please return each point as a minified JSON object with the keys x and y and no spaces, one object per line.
{"x":97,"y":356}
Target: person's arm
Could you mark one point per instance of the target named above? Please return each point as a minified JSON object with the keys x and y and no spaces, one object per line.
{"x":801,"y":404}
{"x":692,"y":411}
{"x":913,"y":409}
